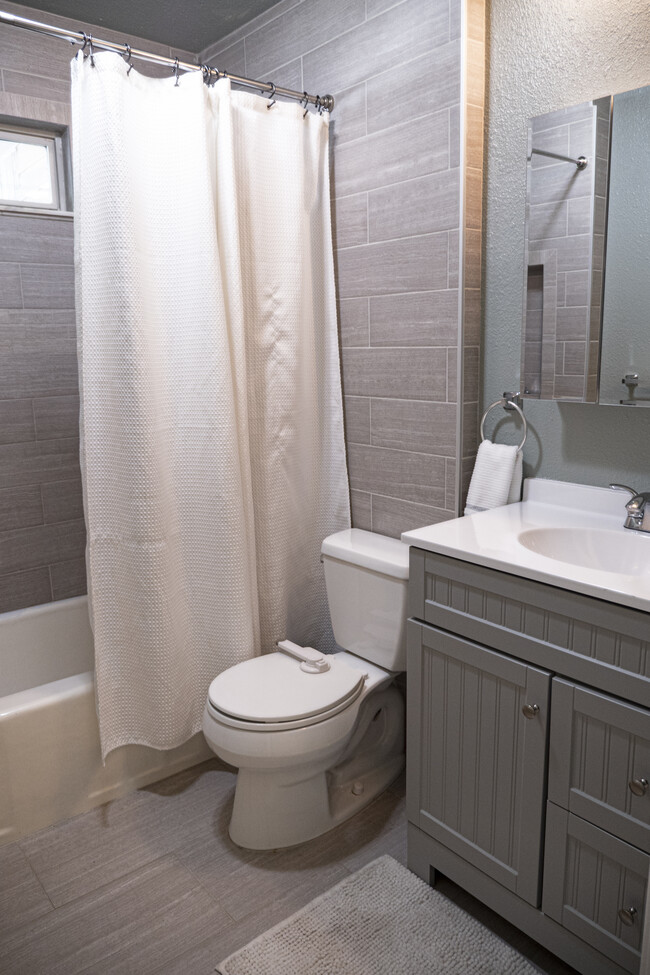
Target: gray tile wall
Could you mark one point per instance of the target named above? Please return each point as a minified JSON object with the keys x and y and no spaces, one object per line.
{"x":42,"y":535}
{"x":395,"y":71}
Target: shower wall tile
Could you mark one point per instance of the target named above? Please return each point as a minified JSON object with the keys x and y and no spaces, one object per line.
{"x":417,"y":373}
{"x":303,"y":28}
{"x":394,"y":68}
{"x":392,"y":516}
{"x":10,"y":286}
{"x":413,"y":264}
{"x":56,"y":417}
{"x":20,"y":507}
{"x":407,"y":31}
{"x":19,"y":589}
{"x":16,"y":421}
{"x":41,"y":526}
{"x":68,"y":578}
{"x":62,"y":501}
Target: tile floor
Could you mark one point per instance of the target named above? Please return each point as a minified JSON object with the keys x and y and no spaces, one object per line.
{"x":151,"y":885}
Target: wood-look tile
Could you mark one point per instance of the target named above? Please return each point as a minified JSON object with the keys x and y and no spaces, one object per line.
{"x":56,"y":417}
{"x":473,"y":137}
{"x":450,"y":484}
{"x":418,"y":206}
{"x":571,"y":324}
{"x":20,"y":507}
{"x":547,"y":220}
{"x":357,"y":419}
{"x":21,"y":83}
{"x":38,"y":374}
{"x":135,"y":924}
{"x":39,"y":461}
{"x":407,"y":150}
{"x":398,"y":474}
{"x":20,"y":589}
{"x":287,"y":75}
{"x":252,"y":25}
{"x":349,"y":118}
{"x":301,"y":29}
{"x":426,"y":319}
{"x":36,"y":316}
{"x":360,"y":504}
{"x":48,"y":285}
{"x":35,"y":240}
{"x":84,"y":853}
{"x":16,"y":421}
{"x":68,"y":579}
{"x":579,"y":217}
{"x":577,"y":288}
{"x":395,"y":266}
{"x":416,"y":88}
{"x":471,"y":362}
{"x":29,"y":548}
{"x":10,"y":287}
{"x":400,"y":34}
{"x":392,"y":516}
{"x":231,"y":58}
{"x":62,"y":501}
{"x":22,"y":899}
{"x":401,"y":373}
{"x":353,"y":322}
{"x":414,"y":425}
{"x":350,"y":224}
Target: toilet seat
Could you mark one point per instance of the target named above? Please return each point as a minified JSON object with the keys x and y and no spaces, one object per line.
{"x":272,"y":692}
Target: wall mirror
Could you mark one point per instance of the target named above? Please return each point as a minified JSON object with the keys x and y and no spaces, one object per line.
{"x":587,"y":253}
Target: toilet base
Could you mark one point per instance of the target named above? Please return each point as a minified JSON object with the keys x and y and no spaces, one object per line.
{"x":284,"y":807}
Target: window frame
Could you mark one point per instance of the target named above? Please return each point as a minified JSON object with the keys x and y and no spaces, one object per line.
{"x":57,"y":142}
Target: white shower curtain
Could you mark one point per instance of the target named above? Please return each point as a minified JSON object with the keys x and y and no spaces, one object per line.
{"x":212,"y":449}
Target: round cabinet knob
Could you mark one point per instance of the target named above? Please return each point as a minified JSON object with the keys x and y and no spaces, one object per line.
{"x":628,"y":915}
{"x":638,"y":787}
{"x":530,"y":710}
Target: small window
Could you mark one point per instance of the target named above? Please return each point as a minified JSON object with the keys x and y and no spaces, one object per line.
{"x":32,"y":170}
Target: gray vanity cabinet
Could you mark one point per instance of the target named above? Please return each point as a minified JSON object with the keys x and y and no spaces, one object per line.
{"x":482,"y":761}
{"x":528,"y":755}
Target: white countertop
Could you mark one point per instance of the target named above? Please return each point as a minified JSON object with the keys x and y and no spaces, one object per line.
{"x":592,"y":516}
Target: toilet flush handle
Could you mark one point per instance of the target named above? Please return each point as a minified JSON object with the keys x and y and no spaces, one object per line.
{"x":311,"y":661}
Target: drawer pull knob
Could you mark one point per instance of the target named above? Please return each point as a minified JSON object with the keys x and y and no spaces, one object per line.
{"x":530,"y":710}
{"x":638,"y":787}
{"x":628,"y":915}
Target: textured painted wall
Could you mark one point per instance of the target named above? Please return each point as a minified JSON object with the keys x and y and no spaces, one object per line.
{"x":42,"y":532}
{"x":395,"y":71}
{"x":545,"y":55}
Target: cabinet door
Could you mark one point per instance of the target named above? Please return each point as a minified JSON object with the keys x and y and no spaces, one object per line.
{"x":595,"y":886}
{"x":477,"y":754}
{"x":599,"y":763}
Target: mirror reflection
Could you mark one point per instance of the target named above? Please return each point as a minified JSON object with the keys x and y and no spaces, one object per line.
{"x":625,"y":355}
{"x":565,"y":239}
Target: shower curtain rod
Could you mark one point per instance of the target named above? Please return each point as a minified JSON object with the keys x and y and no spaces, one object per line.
{"x":321,"y":102}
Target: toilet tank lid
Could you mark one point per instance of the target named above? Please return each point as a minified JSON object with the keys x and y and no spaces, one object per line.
{"x":379,"y":553}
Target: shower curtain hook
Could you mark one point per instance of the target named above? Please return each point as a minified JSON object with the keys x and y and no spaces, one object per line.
{"x":305,"y":100}
{"x":127,"y":56}
{"x":272,"y":95}
{"x":175,"y":72}
{"x":88,"y":41}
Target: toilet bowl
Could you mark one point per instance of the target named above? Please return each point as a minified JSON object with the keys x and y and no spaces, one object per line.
{"x":316,"y":737}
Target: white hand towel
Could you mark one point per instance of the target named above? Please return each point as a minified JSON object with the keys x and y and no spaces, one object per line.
{"x":496,"y":479}
{"x":517,"y":479}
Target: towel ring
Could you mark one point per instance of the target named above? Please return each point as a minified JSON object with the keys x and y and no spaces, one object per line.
{"x":511,"y":403}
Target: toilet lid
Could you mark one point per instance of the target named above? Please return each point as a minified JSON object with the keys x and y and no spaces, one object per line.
{"x":273,"y":688}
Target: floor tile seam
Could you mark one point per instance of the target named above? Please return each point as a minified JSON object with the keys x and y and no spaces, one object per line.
{"x":205,"y":888}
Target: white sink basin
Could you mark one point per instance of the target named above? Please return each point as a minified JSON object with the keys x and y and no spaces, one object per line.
{"x":624,"y":553}
{"x":567,"y":535}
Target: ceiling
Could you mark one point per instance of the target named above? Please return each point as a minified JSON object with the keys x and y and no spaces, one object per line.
{"x":188,"y":24}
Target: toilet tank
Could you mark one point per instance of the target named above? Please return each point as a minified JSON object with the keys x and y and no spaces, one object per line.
{"x":366,"y":576}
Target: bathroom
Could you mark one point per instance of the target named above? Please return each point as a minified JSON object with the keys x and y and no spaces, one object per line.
{"x":417,"y":375}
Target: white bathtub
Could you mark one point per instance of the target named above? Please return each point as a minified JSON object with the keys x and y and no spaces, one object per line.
{"x":50,"y":762}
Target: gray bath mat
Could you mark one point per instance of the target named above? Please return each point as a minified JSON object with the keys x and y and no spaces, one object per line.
{"x":383,"y":920}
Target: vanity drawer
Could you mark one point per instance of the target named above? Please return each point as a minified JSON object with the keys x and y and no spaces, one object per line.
{"x":586,"y":639}
{"x":599,"y":761}
{"x":593,"y":884}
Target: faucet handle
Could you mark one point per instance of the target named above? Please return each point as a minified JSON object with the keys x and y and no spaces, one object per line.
{"x":624,"y":487}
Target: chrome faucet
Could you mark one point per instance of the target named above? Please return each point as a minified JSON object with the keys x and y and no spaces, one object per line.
{"x":638,"y":508}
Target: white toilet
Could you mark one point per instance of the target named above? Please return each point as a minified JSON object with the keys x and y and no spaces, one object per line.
{"x":316,"y":737}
